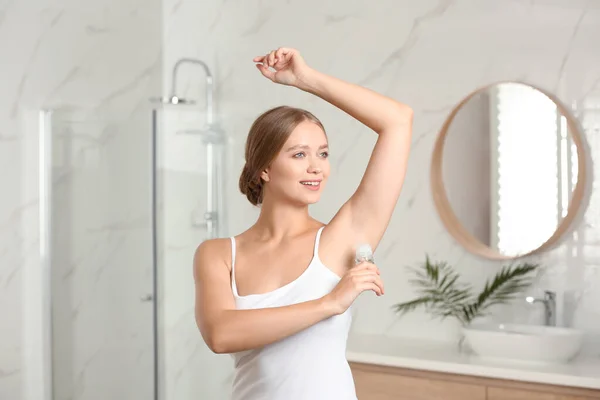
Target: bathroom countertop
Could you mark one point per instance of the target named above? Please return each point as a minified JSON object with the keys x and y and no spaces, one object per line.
{"x":444,"y":357}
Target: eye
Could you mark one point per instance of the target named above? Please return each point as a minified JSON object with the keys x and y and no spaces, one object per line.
{"x":325,"y":154}
{"x":299,"y":155}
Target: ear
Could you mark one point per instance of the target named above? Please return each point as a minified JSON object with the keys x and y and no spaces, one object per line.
{"x":264,"y":175}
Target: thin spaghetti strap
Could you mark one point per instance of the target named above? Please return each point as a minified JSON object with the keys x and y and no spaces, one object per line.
{"x":317,"y":240}
{"x":233,"y":285}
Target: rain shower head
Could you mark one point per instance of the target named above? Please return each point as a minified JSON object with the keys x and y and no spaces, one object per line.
{"x":174,"y":99}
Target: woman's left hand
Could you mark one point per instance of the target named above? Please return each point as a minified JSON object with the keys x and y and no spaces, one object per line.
{"x":289,"y":66}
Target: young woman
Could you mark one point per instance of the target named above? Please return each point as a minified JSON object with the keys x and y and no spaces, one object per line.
{"x":277,"y":296}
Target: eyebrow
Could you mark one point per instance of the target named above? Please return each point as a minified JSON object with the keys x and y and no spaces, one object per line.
{"x":303,"y":146}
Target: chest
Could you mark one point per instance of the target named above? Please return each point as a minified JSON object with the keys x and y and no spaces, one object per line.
{"x":259,"y":271}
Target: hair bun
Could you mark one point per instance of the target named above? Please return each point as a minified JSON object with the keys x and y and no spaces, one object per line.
{"x":250,"y":186}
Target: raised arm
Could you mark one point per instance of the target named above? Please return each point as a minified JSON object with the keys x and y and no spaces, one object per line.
{"x":367,"y":213}
{"x":227,"y":330}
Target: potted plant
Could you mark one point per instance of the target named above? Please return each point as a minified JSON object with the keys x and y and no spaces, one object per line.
{"x":442,"y":294}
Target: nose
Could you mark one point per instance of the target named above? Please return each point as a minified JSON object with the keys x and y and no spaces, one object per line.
{"x":314,"y":168}
{"x":315,"y":164}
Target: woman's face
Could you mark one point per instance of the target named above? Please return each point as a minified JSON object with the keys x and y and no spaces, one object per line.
{"x":300,"y":170}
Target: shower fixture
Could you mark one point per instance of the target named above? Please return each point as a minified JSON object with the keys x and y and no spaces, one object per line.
{"x":211,"y":136}
{"x":172,"y":100}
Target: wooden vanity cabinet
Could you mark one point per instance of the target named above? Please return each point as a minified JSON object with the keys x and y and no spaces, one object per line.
{"x":498,"y":393}
{"x":374,"y":382}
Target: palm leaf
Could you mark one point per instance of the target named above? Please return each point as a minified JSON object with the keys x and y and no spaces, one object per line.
{"x":503,"y":288}
{"x":443,"y":296}
{"x":438,"y":289}
{"x":412,"y":305}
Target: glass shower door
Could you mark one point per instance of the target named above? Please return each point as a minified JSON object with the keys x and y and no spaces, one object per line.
{"x":128,"y":205}
{"x":101,"y":257}
{"x":190,"y":209}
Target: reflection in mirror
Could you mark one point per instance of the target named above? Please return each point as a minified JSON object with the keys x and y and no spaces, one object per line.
{"x":509,"y":167}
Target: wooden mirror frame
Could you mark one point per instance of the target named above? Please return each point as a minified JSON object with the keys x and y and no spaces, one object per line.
{"x":449,"y":218}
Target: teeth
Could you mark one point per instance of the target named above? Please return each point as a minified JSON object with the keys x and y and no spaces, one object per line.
{"x":310,"y":183}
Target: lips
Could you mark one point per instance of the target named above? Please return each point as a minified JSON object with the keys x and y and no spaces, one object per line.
{"x":311,"y":184}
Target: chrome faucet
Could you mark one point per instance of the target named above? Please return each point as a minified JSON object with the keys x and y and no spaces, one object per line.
{"x":549,"y":302}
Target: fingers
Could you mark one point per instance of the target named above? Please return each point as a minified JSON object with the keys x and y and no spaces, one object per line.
{"x":367,"y":276}
{"x":372,"y":286}
{"x":283,"y":54}
{"x":379,"y":283}
{"x":365,"y":266}
{"x":376,"y":280}
{"x":273,"y":57}
{"x":266,"y":71}
{"x":280,"y":53}
{"x":268,"y":60}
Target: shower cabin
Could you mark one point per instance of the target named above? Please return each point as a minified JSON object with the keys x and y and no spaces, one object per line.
{"x":124,"y":204}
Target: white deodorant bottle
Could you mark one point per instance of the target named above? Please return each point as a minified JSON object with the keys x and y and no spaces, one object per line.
{"x":364,"y":253}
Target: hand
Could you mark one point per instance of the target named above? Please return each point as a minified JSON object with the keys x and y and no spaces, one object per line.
{"x":289,"y":66}
{"x":364,"y":276}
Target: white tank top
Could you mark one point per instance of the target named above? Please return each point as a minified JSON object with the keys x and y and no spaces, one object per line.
{"x":310,"y":365}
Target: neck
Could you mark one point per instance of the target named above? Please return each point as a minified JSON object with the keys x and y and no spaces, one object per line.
{"x":278,"y":220}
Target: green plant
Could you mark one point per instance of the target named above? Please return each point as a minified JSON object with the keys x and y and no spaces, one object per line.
{"x":444,"y":296}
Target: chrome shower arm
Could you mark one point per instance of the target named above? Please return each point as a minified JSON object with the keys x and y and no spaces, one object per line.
{"x":209,"y":85}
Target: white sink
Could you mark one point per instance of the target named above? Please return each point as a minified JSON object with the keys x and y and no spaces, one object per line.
{"x":530,"y":343}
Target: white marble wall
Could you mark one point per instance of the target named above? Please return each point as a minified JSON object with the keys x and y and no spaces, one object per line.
{"x":100,"y":60}
{"x":429,"y":54}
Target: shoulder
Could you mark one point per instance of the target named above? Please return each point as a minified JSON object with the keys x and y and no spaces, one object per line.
{"x":213,"y":247}
{"x":212,"y":253}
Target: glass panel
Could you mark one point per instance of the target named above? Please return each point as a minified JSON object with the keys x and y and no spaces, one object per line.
{"x":130,"y":201}
{"x":191,"y":163}
{"x":101,"y":257}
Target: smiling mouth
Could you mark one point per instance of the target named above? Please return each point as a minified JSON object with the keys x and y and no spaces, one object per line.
{"x":313,"y":185}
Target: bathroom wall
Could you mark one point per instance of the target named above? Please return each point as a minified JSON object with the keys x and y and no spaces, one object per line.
{"x":429,"y":54}
{"x":96,"y":63}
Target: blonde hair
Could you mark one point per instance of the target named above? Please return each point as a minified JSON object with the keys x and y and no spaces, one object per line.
{"x":266,"y":138}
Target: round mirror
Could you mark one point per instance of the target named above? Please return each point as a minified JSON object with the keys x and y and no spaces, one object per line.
{"x":508,"y":171}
